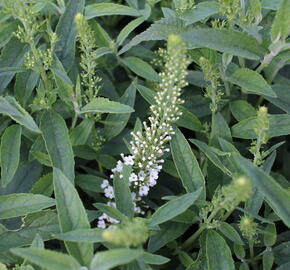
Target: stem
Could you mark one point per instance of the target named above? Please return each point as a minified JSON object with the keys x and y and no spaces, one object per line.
{"x":192,"y":238}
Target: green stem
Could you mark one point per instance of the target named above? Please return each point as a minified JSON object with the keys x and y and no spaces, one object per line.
{"x":187,"y":244}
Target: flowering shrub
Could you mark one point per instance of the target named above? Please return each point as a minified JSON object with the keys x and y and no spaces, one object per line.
{"x":144,"y":134}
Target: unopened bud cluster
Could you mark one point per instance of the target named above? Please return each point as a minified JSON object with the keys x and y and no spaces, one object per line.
{"x":129,"y":234}
{"x":148,"y":146}
{"x":90,"y":81}
{"x":261,"y":129}
{"x":249,"y":228}
{"x":212,"y":75}
{"x":228,"y":197}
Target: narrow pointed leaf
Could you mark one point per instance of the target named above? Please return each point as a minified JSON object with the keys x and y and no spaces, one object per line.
{"x":10,"y":153}
{"x":72,"y":215}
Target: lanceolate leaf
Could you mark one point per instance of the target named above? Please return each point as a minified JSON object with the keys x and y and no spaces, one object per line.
{"x":218,"y":253}
{"x":277,"y":197}
{"x":173,"y":208}
{"x":252,"y":82}
{"x":10,"y":107}
{"x":72,"y":215}
{"x":186,"y":164}
{"x":115,"y":123}
{"x":21,"y":204}
{"x":85,"y":235}
{"x":200,"y":12}
{"x":281,"y":24}
{"x":224,"y":40}
{"x":66,"y":32}
{"x":141,"y":68}
{"x":47,"y":259}
{"x":105,"y":9}
{"x":279,"y":126}
{"x":10,"y":153}
{"x":109,"y":259}
{"x":104,"y":105}
{"x":55,"y":135}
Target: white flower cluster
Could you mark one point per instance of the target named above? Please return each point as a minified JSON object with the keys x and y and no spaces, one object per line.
{"x":148,"y":147}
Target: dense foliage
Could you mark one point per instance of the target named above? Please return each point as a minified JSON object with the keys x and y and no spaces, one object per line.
{"x":144,"y":134}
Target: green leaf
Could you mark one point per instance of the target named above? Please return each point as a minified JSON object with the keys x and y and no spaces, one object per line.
{"x":281,"y":23}
{"x":21,"y":204}
{"x":106,"y":9}
{"x":154,"y":259}
{"x":159,"y":30}
{"x":115,"y":123}
{"x":57,"y":142}
{"x":104,"y":105}
{"x":44,"y":223}
{"x":173,"y":208}
{"x":88,"y":236}
{"x":228,"y":231}
{"x":277,"y":197}
{"x":89,"y":182}
{"x":43,"y":186}
{"x":12,"y":56}
{"x":10,"y":153}
{"x":47,"y":259}
{"x":201,"y":11}
{"x":241,"y":109}
{"x":186,"y":164}
{"x":80,"y":134}
{"x":128,"y":29}
{"x":252,"y":82}
{"x":279,"y":126}
{"x":141,"y":68}
{"x":225,"y":40}
{"x":72,"y":215}
{"x":168,"y":232}
{"x":211,"y":155}
{"x":218,"y":254}
{"x":111,"y":211}
{"x":106,"y":260}
{"x":10,"y":107}
{"x":122,"y":192}
{"x":66,"y":32}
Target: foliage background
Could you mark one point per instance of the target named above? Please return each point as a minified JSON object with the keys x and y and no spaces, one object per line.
{"x":70,"y":98}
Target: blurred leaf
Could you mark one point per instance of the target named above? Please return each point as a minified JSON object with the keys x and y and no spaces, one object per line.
{"x":277,"y":197}
{"x":109,"y":259}
{"x":72,"y":215}
{"x":201,"y":11}
{"x":111,"y":211}
{"x":104,"y":105}
{"x":218,"y":253}
{"x":173,"y":208}
{"x":281,"y":23}
{"x":88,"y":236}
{"x":10,"y":153}
{"x":225,"y":40}
{"x":55,"y":135}
{"x":21,"y":204}
{"x":279,"y":126}
{"x":115,"y":123}
{"x":66,"y":32}
{"x":155,"y":259}
{"x":186,"y":164}
{"x":141,"y":68}
{"x":228,"y":231}
{"x":48,"y":259}
{"x":241,"y":110}
{"x":9,"y":106}
{"x":252,"y":82}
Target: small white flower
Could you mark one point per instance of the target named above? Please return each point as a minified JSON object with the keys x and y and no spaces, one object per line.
{"x":143,"y":191}
{"x":129,"y":161}
{"x":104,"y":184}
{"x":101,"y":224}
{"x":109,"y":192}
{"x":119,"y":167}
{"x":133,"y":177}
{"x":141,"y":175}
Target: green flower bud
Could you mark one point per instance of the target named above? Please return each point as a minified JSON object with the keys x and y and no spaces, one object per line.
{"x":249,"y":228}
{"x":130,"y":234}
